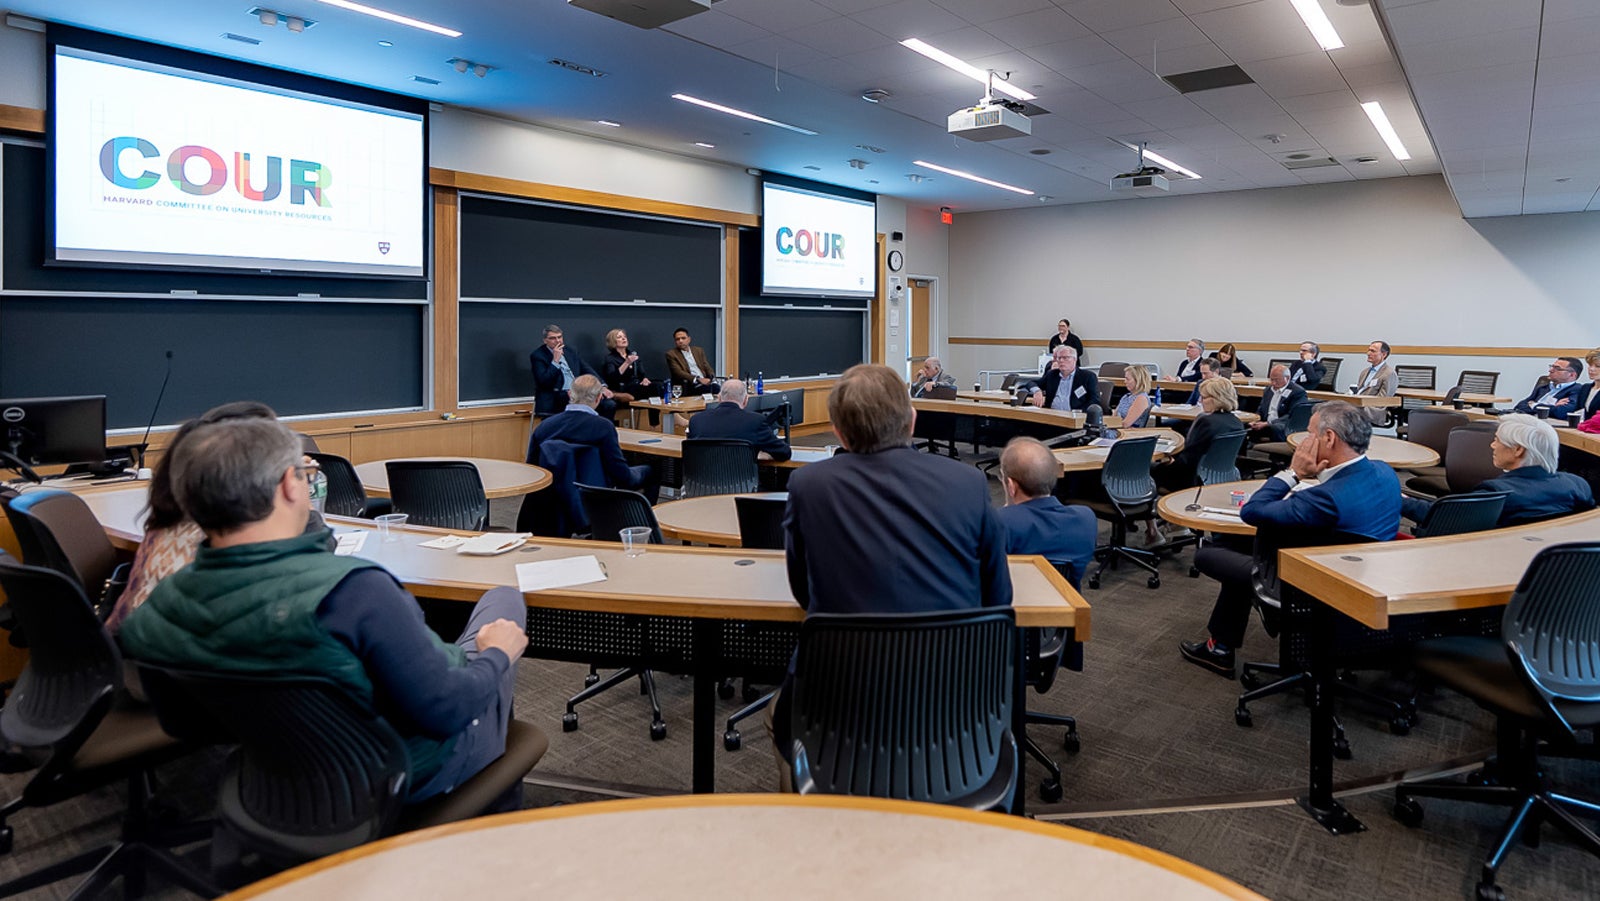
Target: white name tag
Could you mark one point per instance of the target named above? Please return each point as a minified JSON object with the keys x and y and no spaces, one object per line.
{"x":1079,"y":392}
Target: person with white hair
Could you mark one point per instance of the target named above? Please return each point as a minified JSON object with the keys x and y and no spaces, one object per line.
{"x":1526,"y":448}
{"x":931,"y":375}
{"x":728,"y":418}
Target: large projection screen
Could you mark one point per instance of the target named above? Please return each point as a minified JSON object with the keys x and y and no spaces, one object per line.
{"x":817,"y":245}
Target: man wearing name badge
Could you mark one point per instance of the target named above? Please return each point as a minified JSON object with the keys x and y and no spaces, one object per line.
{"x":1277,"y":399}
{"x":264,"y":598}
{"x":687,"y":365}
{"x":1189,"y":366}
{"x":555,"y":366}
{"x":1308,"y":371}
{"x":1561,"y":394}
{"x":1350,"y":494}
{"x":1378,"y":380}
{"x":580,"y":423}
{"x":1065,"y":386}
{"x":1037,"y":523}
{"x":729,"y":419}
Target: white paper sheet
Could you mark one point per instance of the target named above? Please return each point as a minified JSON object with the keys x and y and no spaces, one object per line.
{"x":562,"y":573}
{"x":348,"y":543}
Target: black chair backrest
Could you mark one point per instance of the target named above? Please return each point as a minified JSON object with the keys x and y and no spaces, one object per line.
{"x":74,"y":670}
{"x":1416,"y":376}
{"x":443,"y":493}
{"x":1299,"y":417}
{"x":781,"y":409}
{"x":1220,"y":461}
{"x":718,"y":466}
{"x":1330,"y":380}
{"x":1468,"y":461}
{"x":1478,"y":381}
{"x":1010,"y":381}
{"x":1126,"y":475}
{"x":1271,"y":363}
{"x":346,"y":497}
{"x":1550,"y":627}
{"x":308,"y":444}
{"x":1112,"y":370}
{"x":610,"y":510}
{"x":1460,"y":513}
{"x":761,"y":520}
{"x":318,"y":771}
{"x":1431,"y":428}
{"x":56,"y":529}
{"x":916,"y":707}
{"x":940,"y":392}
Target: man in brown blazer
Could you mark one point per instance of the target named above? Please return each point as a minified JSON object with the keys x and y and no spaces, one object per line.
{"x":687,"y":366}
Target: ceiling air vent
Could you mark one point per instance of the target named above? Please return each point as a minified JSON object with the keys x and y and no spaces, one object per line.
{"x":1207,"y":79}
{"x":1309,"y":162}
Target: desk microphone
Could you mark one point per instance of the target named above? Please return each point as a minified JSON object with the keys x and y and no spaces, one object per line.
{"x":144,"y":443}
{"x":1094,"y":419}
{"x":1195,"y":504}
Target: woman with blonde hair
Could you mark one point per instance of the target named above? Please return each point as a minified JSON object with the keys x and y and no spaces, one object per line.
{"x":1134,"y":408}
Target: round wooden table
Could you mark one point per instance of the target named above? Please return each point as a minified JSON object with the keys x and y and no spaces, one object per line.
{"x":1218,"y":496}
{"x":796,"y":847}
{"x":711,"y":519}
{"x":1092,"y":458}
{"x":501,"y":478}
{"x":1396,"y":452}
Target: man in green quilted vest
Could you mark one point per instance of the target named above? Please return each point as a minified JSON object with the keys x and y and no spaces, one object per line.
{"x":262,"y":597}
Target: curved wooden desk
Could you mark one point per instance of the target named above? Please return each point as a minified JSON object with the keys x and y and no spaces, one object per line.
{"x":712,"y":519}
{"x":1171,"y":508}
{"x":501,"y":478}
{"x":1191,"y":413}
{"x":1438,"y":397}
{"x":1092,"y":458}
{"x":803,"y":848}
{"x":1396,"y":452}
{"x":1066,"y":421}
{"x":659,"y":445}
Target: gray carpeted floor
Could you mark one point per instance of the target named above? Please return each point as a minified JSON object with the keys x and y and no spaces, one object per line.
{"x":1162,"y":764}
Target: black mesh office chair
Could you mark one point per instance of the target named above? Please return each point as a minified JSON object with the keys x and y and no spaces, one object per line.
{"x":1330,"y":379}
{"x":67,"y":708}
{"x":1298,"y":419}
{"x":1130,"y":499}
{"x":55,"y":529}
{"x":1541,"y":680}
{"x":1220,"y":461}
{"x":443,"y":493}
{"x":1413,"y":377}
{"x":346,"y":497}
{"x":1462,"y":513}
{"x":1477,"y":381}
{"x":317,"y":770}
{"x":760,"y":526}
{"x":936,"y":431}
{"x":916,"y":707}
{"x":1045,"y":651}
{"x":719,"y":466}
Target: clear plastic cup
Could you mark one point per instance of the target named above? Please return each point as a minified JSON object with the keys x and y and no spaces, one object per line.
{"x":634,"y":539}
{"x":389,"y":525}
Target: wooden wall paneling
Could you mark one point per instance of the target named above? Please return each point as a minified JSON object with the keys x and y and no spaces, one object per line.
{"x":446,"y":297}
{"x":501,"y":439}
{"x":879,"y":314}
{"x":467,"y":181}
{"x":730,"y":298}
{"x":21,"y":119}
{"x":453,"y":439}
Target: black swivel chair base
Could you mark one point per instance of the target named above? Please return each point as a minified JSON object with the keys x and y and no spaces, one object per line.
{"x":1050,"y":788}
{"x":1402,"y":714}
{"x":1118,"y":549}
{"x":731,"y":739}
{"x":595,"y":685}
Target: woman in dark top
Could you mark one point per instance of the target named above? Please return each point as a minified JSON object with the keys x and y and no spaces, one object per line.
{"x":1228,"y":356}
{"x":1218,"y":400}
{"x":1065,"y":336}
{"x":622,"y":371}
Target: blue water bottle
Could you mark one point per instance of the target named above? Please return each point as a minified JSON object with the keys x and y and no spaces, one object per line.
{"x":761,"y":384}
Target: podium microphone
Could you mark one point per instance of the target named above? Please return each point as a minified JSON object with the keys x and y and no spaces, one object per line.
{"x":1094,"y":419}
{"x":144,"y":443}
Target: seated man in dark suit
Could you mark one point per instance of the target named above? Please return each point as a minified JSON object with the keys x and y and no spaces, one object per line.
{"x":1209,"y":369}
{"x":931,"y":375}
{"x":729,"y":419}
{"x":1189,"y":367}
{"x":1562,"y":393}
{"x":580,"y":424}
{"x":1308,"y":371}
{"x":263,"y":596}
{"x":1065,"y":386}
{"x":883,"y":528}
{"x":1037,"y":523}
{"x":1277,"y":399}
{"x":1526,"y":448}
{"x":1351,"y":494}
{"x":554,"y":367}
{"x":688,"y":366}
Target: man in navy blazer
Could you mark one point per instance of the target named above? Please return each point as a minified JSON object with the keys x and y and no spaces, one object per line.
{"x":1527,"y":449}
{"x":579,"y":423}
{"x":1352,"y":494}
{"x":1189,"y":367}
{"x":1037,"y":523}
{"x":729,"y":419}
{"x":555,"y":366}
{"x":1308,"y":371}
{"x":1277,"y":399}
{"x":1562,"y":394}
{"x":1065,"y":386}
{"x":883,"y":528}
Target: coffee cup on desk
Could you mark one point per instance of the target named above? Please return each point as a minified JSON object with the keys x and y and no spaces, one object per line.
{"x":1542,"y":412}
{"x":1459,"y":404}
{"x":1574,"y":418}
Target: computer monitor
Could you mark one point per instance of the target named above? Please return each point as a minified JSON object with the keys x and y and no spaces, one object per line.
{"x":44,"y":430}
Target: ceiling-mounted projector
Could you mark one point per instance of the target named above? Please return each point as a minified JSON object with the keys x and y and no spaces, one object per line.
{"x":992,"y":120}
{"x":644,"y":13}
{"x":1149,"y":180}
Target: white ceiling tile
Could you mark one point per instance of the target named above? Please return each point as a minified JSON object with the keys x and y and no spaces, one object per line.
{"x":1047,"y":26}
{"x":1109,"y":15}
{"x":842,"y":37}
{"x":896,"y":62}
{"x":779,"y":51}
{"x":716,"y":28}
{"x":849,"y":7}
{"x":1075,"y":52}
{"x":1311,"y":103}
{"x":970,"y":43}
{"x":1133,"y":90}
{"x":1483,"y":205}
{"x":1142,"y":42}
{"x":1262,"y":30}
{"x":1360,"y":78}
{"x":1517,"y":45}
{"x":1190,"y":7}
{"x":1453,"y":136}
{"x":1194,"y":58}
{"x":910,"y":19}
{"x":1247,"y":100}
{"x":1439,"y":21}
{"x":1566,"y":123}
{"x":1355,"y":23}
{"x":1170,"y":112}
{"x":1567,"y":202}
{"x":1363,"y":53}
{"x":1085,"y":108}
{"x":1292,"y":76}
{"x":1208,"y":137}
{"x":777,"y":15}
{"x":835,"y":74}
{"x":1583,"y":68}
{"x":1109,"y":73}
{"x":980,"y":12}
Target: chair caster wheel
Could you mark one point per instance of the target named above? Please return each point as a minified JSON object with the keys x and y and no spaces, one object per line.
{"x":1407,"y":811}
{"x":1341,"y":748}
{"x":569,"y":722}
{"x":1153,"y":582}
{"x":6,"y":838}
{"x":1050,"y":792}
{"x":1241,"y":716}
{"x":732,"y":740}
{"x":1400,"y":725}
{"x":1094,"y":581}
{"x":750,"y":694}
{"x":1488,"y":891}
{"x":590,"y":679}
{"x":1071,"y":744}
{"x":725,"y":689}
{"x":658,"y":731}
{"x":1248,"y":680}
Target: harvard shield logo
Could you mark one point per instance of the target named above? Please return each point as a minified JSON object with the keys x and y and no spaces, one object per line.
{"x":383,"y":246}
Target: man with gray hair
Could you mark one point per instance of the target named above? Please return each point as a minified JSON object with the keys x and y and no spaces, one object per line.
{"x":263,"y":597}
{"x":1526,"y":448}
{"x":1037,"y":523}
{"x":1189,"y":367}
{"x":931,"y":375}
{"x":555,"y":367}
{"x":729,"y":419}
{"x":579,"y":424}
{"x":1330,"y":486}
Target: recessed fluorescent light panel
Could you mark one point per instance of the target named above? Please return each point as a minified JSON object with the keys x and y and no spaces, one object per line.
{"x":608,"y":123}
{"x":1317,"y":22}
{"x":1163,"y":162}
{"x":1374,"y":111}
{"x":965,"y":68}
{"x":392,"y":17}
{"x":970,"y":177}
{"x":741,"y":113}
